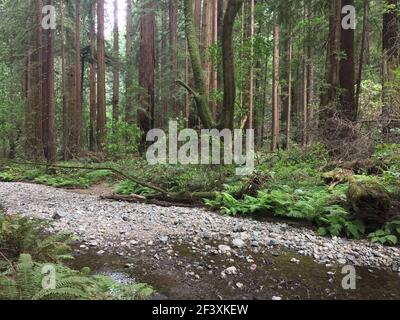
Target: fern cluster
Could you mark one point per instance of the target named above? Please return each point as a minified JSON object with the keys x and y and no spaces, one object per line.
{"x":25,"y":251}
{"x":319,"y":205}
{"x":389,"y":235}
{"x":24,"y":281}
{"x":24,"y":235}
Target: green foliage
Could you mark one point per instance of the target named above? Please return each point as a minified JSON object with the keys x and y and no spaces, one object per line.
{"x":26,"y":250}
{"x":23,"y":281}
{"x":297,"y":168}
{"x":128,"y":187}
{"x":65,"y":178}
{"x":283,"y":202}
{"x":389,"y":235}
{"x":122,"y":140}
{"x":20,"y":234}
{"x":231,"y":206}
{"x":336,"y":222}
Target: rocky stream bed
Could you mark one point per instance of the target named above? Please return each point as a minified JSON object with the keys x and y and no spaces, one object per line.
{"x":191,"y":253}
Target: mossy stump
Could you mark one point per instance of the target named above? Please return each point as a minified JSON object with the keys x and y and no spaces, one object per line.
{"x":370,"y":202}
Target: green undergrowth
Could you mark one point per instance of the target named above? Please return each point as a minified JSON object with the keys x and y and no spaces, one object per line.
{"x":61,"y":178}
{"x":296,"y":190}
{"x":285,"y":184}
{"x":32,"y":267}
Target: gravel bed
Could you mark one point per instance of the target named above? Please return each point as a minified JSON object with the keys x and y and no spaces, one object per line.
{"x":120,"y":227}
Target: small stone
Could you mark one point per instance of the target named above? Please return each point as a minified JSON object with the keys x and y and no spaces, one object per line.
{"x":238,"y":243}
{"x":274,"y":298}
{"x":271,"y":242}
{"x":253,"y":267}
{"x":294,"y":260}
{"x":240,"y":285}
{"x":255,"y":244}
{"x":164,"y":239}
{"x":56,"y":216}
{"x":342,"y":261}
{"x":224,"y":249}
{"x":231,"y":271}
{"x":100,"y":253}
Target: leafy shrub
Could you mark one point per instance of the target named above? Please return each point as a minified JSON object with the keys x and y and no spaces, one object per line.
{"x":128,"y":187}
{"x":26,"y":249}
{"x":337,"y":223}
{"x":20,"y":234}
{"x":23,"y":281}
{"x":389,"y":235}
{"x":122,"y":139}
{"x":282,"y":202}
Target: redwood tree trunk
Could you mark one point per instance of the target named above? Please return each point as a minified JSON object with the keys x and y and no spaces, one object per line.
{"x":390,"y":62}
{"x":51,"y":146}
{"x":92,"y":80}
{"x":275,"y":88}
{"x":37,"y":80}
{"x":129,"y":73}
{"x":116,"y":70}
{"x":101,"y":76}
{"x":227,"y":116}
{"x":347,"y":72}
{"x":173,"y":33}
{"x":145,"y":116}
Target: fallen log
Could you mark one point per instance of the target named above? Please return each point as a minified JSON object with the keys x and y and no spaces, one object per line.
{"x":370,"y":202}
{"x":115,"y":171}
{"x":151,"y":201}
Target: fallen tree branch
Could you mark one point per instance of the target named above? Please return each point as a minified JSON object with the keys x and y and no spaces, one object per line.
{"x":115,"y":171}
{"x":141,"y":199}
{"x":187,"y":87}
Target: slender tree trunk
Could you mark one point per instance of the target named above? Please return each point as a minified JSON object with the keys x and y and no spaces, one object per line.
{"x":214,"y":68}
{"x":227,"y":116}
{"x":173,"y":40}
{"x":92,"y":80}
{"x":187,"y":96}
{"x":275,"y":88}
{"x":305,"y":81}
{"x":145,"y":116}
{"x":251,"y":75}
{"x":362,"y":53}
{"x":37,"y":83}
{"x":65,"y":124}
{"x":77,"y":108}
{"x":289,"y":95}
{"x":165,"y":91}
{"x":329,"y":100}
{"x":129,"y":117}
{"x":347,"y":72}
{"x":101,"y":77}
{"x":51,"y":142}
{"x":390,"y":95}
{"x":116,"y":71}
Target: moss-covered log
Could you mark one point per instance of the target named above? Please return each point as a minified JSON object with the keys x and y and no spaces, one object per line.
{"x":370,"y":202}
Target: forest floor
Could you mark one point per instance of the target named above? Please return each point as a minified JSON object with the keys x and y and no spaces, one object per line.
{"x":187,"y":253}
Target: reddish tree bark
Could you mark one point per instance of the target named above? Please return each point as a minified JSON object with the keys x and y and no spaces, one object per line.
{"x":145,"y":116}
{"x":101,"y":77}
{"x":116,"y":70}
